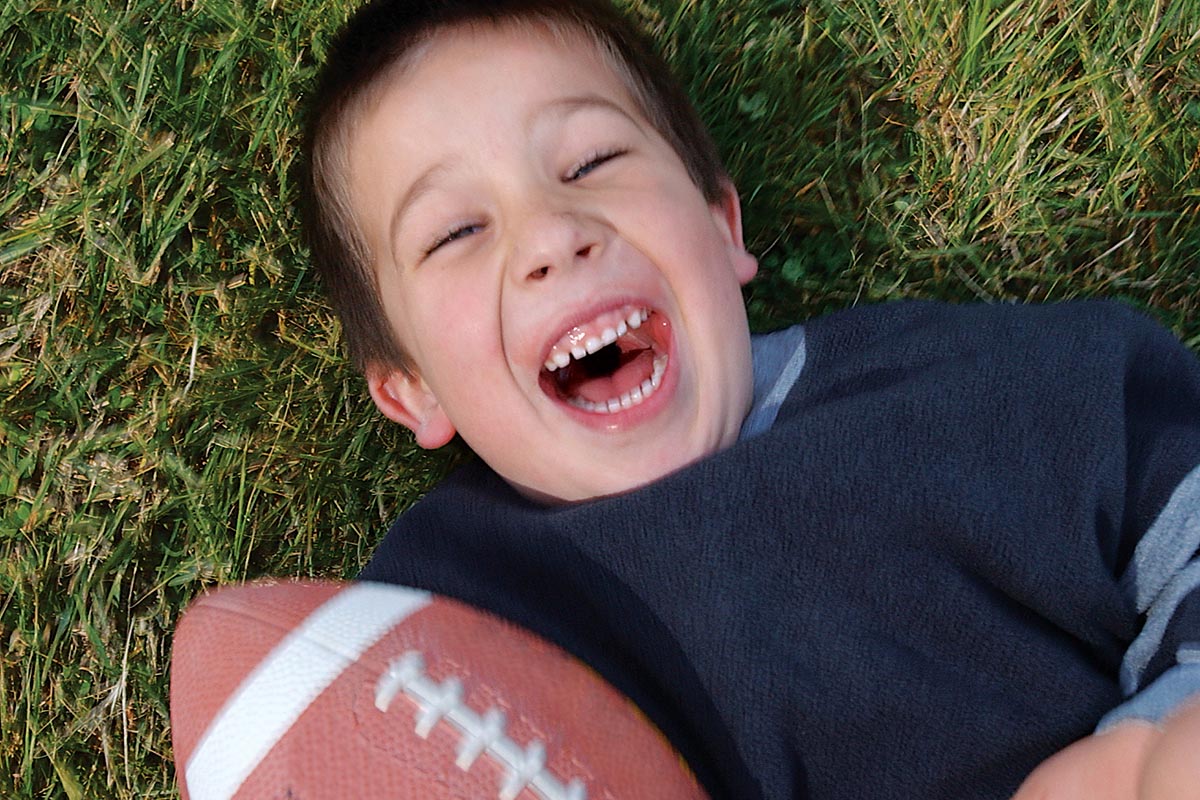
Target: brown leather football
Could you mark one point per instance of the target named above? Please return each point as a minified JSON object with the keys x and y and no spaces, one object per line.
{"x":308,"y":690}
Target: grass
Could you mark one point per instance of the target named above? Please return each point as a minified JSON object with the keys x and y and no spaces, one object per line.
{"x":175,"y":410}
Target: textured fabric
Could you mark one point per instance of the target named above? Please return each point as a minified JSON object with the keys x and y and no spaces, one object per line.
{"x":914,"y":585}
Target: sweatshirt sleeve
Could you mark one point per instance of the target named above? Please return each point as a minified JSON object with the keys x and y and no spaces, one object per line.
{"x":1160,"y":670}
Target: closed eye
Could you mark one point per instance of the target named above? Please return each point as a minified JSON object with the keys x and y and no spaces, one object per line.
{"x":591,"y":162}
{"x":452,"y":235}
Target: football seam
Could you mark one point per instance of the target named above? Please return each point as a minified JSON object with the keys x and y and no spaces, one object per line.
{"x":524,"y":768}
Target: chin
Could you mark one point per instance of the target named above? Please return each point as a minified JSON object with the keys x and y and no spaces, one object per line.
{"x":652,"y":471}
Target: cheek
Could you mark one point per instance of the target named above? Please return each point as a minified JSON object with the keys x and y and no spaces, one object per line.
{"x":456,"y":324}
{"x":671,"y":217}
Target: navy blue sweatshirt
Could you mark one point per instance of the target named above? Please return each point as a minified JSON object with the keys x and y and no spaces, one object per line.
{"x":932,"y":572}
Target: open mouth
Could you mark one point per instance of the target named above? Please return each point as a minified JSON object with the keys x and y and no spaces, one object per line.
{"x":613,"y":363}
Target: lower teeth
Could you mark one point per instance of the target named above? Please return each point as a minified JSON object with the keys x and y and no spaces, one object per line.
{"x":633,"y":397}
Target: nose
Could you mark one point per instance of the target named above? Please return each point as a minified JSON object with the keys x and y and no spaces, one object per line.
{"x":552,"y":241}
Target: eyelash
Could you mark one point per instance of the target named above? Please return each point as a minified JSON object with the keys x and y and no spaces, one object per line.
{"x":593,"y":161}
{"x":450,"y":236}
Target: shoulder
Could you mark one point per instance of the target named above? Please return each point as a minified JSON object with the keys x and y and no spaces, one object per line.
{"x":431,"y":539}
{"x":885,"y":320}
{"x":943,"y":353}
{"x":922,"y":328}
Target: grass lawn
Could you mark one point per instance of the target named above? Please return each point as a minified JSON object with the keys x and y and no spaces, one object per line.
{"x":175,"y":409}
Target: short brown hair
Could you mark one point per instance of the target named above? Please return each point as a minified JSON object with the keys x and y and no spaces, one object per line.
{"x":379,"y":38}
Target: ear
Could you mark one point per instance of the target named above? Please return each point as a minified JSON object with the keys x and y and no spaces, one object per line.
{"x":727,"y":212}
{"x":405,"y":398}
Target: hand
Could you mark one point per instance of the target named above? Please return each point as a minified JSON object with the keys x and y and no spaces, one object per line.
{"x":1132,"y":761}
{"x":1105,"y":766}
{"x":1172,"y":768}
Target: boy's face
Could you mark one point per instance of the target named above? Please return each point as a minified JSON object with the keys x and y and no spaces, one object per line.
{"x":517,"y":204}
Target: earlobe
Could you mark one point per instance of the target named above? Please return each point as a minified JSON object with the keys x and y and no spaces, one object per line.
{"x":727,"y":213}
{"x":407,"y":399}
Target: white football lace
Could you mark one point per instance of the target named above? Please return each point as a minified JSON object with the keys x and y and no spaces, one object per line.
{"x":523,"y":768}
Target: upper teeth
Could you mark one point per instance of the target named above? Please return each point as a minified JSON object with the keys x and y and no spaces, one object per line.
{"x":582,"y":341}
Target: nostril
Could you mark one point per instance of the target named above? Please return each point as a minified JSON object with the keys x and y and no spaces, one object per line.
{"x":539,"y":273}
{"x":584,"y":251}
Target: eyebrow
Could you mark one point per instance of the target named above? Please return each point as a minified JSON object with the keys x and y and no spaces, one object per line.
{"x":560,"y":108}
{"x":420,"y":187}
{"x":566,"y":106}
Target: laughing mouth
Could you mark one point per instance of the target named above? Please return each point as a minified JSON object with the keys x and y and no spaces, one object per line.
{"x":610,"y":364}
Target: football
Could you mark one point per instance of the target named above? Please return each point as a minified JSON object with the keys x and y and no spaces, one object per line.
{"x":307,"y":690}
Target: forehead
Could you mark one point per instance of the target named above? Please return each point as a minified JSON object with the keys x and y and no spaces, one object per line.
{"x":455,"y":71}
{"x":472,"y":100}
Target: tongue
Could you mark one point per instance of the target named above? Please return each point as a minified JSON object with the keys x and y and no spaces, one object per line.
{"x":635,"y":368}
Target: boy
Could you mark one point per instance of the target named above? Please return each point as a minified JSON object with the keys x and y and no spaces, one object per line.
{"x":911,"y":551}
